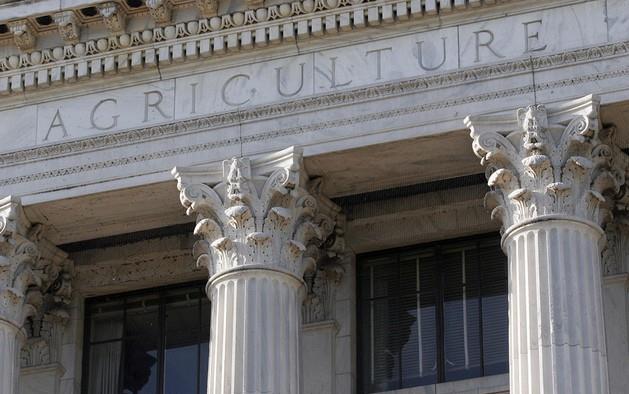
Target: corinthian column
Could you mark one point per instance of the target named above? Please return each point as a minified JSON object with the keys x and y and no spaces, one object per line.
{"x":18,"y":254}
{"x":551,"y":178}
{"x":258,"y":223}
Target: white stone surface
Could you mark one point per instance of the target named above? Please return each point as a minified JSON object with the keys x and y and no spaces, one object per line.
{"x":19,"y":128}
{"x":317,"y":357}
{"x":532,"y":33}
{"x":84,"y":116}
{"x":261,"y":230}
{"x":549,"y":170}
{"x":41,"y":380}
{"x":10,"y":340}
{"x":617,"y":20}
{"x":556,"y":326}
{"x":341,"y":68}
{"x":239,"y":111}
{"x":616,"y":304}
{"x":255,"y":331}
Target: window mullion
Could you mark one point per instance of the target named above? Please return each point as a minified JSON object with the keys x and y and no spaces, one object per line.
{"x":440,"y":317}
{"x":161,"y":353}
{"x":480,"y":309}
{"x":87,"y":345}
{"x":372,"y":329}
{"x":398,"y":318}
{"x":466,"y":341}
{"x":420,"y":348}
{"x":123,"y":347}
{"x":200,"y":340}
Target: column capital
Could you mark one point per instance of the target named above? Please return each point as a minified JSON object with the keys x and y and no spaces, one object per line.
{"x":18,"y":253}
{"x":34,"y":274}
{"x":260,"y":213}
{"x":544,"y":162}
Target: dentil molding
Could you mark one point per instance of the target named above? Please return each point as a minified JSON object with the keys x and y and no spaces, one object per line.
{"x":213,"y":121}
{"x":391,"y":89}
{"x":172,"y":43}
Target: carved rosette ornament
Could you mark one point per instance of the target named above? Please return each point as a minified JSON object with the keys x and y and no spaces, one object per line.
{"x":261,"y":228}
{"x":553,"y":180}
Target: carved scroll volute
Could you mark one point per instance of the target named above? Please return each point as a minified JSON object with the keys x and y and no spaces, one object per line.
{"x":548,"y":161}
{"x":255,"y":213}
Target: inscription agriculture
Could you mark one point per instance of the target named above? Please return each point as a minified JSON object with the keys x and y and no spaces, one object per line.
{"x":305,"y":75}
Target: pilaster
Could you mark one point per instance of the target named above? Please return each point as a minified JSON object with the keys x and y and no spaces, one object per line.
{"x":34,"y":287}
{"x":553,"y":180}
{"x":19,"y":295}
{"x":262,"y":225}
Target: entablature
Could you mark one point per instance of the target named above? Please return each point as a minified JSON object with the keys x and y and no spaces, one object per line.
{"x":111,"y":38}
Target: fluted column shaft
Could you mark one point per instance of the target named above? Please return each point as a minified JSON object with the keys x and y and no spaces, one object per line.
{"x":556,"y":328}
{"x":261,"y":226}
{"x":10,"y":341}
{"x":554,"y":175}
{"x":254,"y":340}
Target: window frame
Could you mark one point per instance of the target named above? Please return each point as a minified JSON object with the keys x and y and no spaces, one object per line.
{"x":160,"y":292}
{"x":438,"y":247}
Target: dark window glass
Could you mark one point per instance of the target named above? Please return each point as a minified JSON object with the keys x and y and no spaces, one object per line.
{"x":141,"y":349}
{"x":432,"y":314}
{"x":153,"y":342}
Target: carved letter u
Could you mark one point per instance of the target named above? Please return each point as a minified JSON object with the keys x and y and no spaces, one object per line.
{"x":278,"y":78}
{"x":420,"y":59}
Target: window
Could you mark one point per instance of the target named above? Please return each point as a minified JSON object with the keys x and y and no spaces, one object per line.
{"x":432,"y":314}
{"x":148,"y":343}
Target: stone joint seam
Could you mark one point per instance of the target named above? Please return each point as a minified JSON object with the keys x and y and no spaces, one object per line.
{"x":363,"y":94}
{"x":201,"y":124}
{"x":194,"y":39}
{"x":547,"y":218}
{"x":251,"y":267}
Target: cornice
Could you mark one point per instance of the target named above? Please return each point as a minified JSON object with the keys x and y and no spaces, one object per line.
{"x":206,"y":37}
{"x":205,"y":123}
{"x":410,"y":86}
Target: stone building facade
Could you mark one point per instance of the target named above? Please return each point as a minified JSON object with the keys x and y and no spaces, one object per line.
{"x":314,"y":197}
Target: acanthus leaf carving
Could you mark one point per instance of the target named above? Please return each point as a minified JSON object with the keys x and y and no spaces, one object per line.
{"x":19,"y":289}
{"x":256,"y":212}
{"x":35,"y":284}
{"x":322,"y":284}
{"x":548,"y":161}
{"x":45,"y":337}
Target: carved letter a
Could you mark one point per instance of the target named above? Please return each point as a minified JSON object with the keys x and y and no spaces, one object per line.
{"x":56,"y":122}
